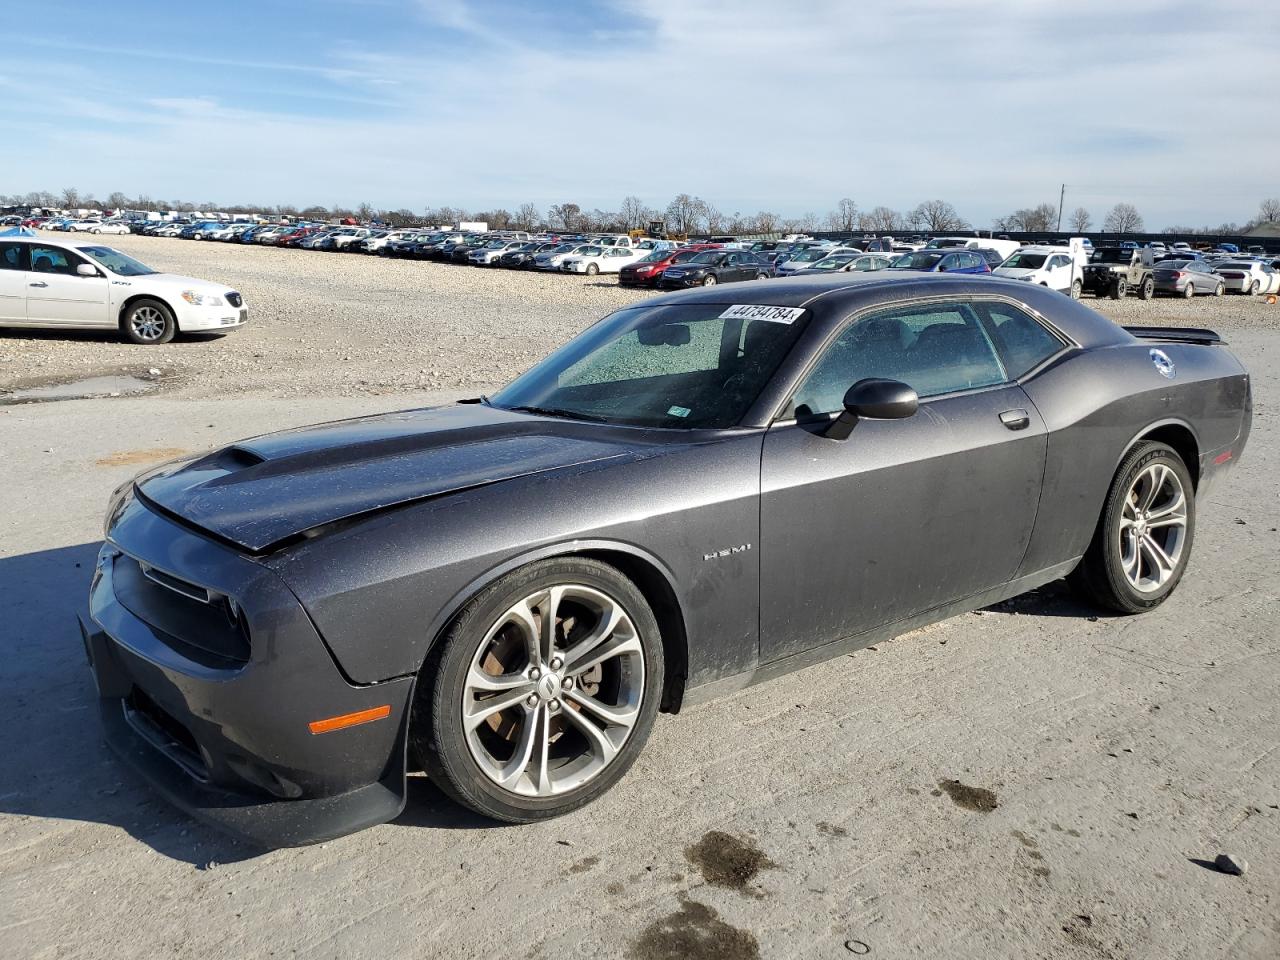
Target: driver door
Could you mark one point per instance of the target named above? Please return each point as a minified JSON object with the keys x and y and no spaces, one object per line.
{"x":13,"y":282}
{"x":904,"y":515}
{"x":56,"y":293}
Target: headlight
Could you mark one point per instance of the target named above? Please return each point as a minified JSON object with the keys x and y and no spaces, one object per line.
{"x":201,"y":299}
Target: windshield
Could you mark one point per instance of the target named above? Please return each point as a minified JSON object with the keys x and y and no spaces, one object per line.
{"x":708,"y":256}
{"x":117,"y":262}
{"x":681,"y":366}
{"x":917,"y":261}
{"x":1026,"y":261}
{"x":656,"y":257}
{"x":684,"y":256}
{"x":590,"y":251}
{"x":832,"y":263}
{"x":809,"y":256}
{"x":945,"y":243}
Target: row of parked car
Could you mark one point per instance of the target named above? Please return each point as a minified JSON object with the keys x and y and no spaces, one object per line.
{"x":1074,"y":268}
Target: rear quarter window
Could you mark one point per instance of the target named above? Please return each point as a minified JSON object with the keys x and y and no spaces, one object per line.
{"x":1024,"y":343}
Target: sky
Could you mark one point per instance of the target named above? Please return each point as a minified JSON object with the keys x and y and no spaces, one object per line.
{"x":787,"y":107}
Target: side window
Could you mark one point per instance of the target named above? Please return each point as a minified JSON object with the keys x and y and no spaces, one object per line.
{"x":53,"y":260}
{"x":13,"y":256}
{"x":1023,"y":341}
{"x":934,"y":350}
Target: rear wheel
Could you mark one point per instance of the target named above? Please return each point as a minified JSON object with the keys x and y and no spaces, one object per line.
{"x":542,"y":693}
{"x":1189,"y":291}
{"x":1143,"y":540}
{"x":1254,"y":288}
{"x":147,"y":322}
{"x":1148,"y":288}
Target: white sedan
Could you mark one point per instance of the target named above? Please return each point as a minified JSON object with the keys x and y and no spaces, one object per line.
{"x":84,"y":285}
{"x":113,"y":227}
{"x":1250,"y":277}
{"x":592,"y":260}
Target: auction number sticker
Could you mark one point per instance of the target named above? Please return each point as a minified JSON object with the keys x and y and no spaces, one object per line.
{"x":746,"y":311}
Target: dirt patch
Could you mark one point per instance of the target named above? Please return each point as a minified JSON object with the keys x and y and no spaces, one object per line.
{"x":726,"y":861}
{"x":583,"y":865}
{"x":695,"y":932}
{"x":127,"y":458}
{"x":831,"y":829}
{"x":1025,"y":840}
{"x":971,"y":798}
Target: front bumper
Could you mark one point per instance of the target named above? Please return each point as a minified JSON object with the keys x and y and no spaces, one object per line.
{"x":228,"y":740}
{"x":225,"y":317}
{"x":679,"y":283}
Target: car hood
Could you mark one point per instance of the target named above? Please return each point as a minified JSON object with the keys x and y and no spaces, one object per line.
{"x":176,"y":283}
{"x":1017,"y":273}
{"x":264,"y":492}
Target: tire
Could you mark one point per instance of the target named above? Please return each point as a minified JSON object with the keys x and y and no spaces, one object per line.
{"x":1254,"y":288}
{"x":1111,"y":572}
{"x":1148,"y":288}
{"x":1077,"y":288}
{"x":592,"y":269}
{"x":469,"y":765}
{"x":762,"y":276}
{"x":1189,"y":291}
{"x":709,"y":280}
{"x":1119,"y":289}
{"x":148,"y":322}
{"x":1220,"y":289}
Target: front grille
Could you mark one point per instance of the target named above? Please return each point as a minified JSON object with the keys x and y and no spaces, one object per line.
{"x":234,"y":299}
{"x":207,"y":631}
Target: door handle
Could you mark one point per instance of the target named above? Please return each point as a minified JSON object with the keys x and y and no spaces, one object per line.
{"x":40,"y":283}
{"x":1016,"y":419}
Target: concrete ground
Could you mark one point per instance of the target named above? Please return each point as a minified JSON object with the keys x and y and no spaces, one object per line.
{"x":1030,"y":781}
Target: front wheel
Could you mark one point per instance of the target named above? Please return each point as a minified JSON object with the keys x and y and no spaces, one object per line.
{"x":1148,"y":288}
{"x":1077,"y":288}
{"x":1143,"y":540}
{"x":148,"y":322}
{"x":542,"y":693}
{"x":592,"y":269}
{"x":1220,"y":289}
{"x":709,"y":280}
{"x":1119,"y":289}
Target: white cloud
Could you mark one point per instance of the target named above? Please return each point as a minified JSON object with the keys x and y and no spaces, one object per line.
{"x":748,"y":104}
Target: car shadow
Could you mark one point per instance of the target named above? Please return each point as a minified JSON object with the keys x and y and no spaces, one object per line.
{"x":1054,"y":599}
{"x":57,"y":767}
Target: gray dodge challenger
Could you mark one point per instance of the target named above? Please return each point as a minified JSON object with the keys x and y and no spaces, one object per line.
{"x":702,"y":491}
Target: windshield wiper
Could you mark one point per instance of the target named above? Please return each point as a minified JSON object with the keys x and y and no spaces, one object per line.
{"x":556,"y":412}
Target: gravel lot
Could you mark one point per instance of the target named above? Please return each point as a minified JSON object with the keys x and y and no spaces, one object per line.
{"x":349,"y":324}
{"x":1033,"y":781}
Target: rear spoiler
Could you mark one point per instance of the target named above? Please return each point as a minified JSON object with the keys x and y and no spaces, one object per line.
{"x":1176,"y":334}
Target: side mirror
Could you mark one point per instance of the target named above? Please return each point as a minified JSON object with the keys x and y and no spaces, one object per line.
{"x":873,"y":399}
{"x":942,"y":268}
{"x":87,"y":270}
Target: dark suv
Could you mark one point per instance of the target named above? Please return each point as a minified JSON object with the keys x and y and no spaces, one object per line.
{"x":1114,"y":271}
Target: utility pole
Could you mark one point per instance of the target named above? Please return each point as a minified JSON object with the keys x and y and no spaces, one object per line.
{"x":1061,"y":197}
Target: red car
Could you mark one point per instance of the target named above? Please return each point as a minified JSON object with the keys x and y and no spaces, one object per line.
{"x":294,"y":237}
{"x":647,"y":271}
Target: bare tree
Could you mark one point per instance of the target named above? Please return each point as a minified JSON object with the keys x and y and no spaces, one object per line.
{"x":937,"y":216}
{"x":117,"y":201}
{"x":1269,"y":210}
{"x":527,"y":217}
{"x":1123,"y":218}
{"x":715,"y":220}
{"x":566,"y":214}
{"x":1080,"y":220}
{"x":684,"y":214}
{"x":70,"y":197}
{"x":764,"y":222}
{"x":1030,"y":219}
{"x":880,"y":219}
{"x":844,"y":218}
{"x":633,"y":213}
{"x":364,"y":212}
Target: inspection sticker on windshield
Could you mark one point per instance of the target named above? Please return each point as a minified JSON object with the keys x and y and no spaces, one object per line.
{"x":745,"y":311}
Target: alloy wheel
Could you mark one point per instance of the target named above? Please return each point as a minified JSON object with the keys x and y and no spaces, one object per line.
{"x":147,"y":323}
{"x":1153,"y":528}
{"x":553,"y":691}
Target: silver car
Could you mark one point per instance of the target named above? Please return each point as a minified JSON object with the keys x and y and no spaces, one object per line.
{"x":1186,"y":278}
